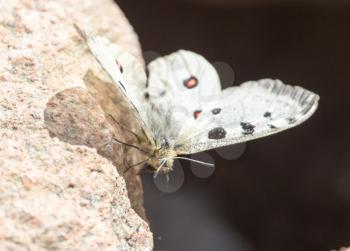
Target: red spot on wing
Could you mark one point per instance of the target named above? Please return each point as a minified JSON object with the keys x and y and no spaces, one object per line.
{"x":197,"y":113}
{"x":191,"y":82}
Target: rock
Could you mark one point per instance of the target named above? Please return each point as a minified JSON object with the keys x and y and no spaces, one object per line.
{"x":342,"y":249}
{"x":59,"y":187}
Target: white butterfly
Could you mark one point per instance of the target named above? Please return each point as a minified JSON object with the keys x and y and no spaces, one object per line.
{"x":181,"y":109}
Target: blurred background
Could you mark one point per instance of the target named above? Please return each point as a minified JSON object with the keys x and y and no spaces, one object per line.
{"x":290,"y":191}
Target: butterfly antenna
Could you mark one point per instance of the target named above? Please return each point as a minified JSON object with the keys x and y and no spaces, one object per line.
{"x":197,"y":161}
{"x":159,"y":168}
{"x":125,"y":128}
{"x":136,"y":147}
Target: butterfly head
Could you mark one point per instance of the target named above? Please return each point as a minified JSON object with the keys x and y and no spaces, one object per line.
{"x":163,"y":159}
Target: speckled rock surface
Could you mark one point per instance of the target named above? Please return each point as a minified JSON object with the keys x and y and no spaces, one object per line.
{"x":57,"y":194}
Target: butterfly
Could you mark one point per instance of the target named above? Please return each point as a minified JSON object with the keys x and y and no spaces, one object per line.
{"x":180,"y":108}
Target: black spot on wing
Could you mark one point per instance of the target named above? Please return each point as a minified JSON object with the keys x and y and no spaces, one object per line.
{"x":248,"y":128}
{"x":133,"y":105}
{"x":146,"y":95}
{"x":267,"y":114}
{"x":216,"y":111}
{"x":217,"y":133}
{"x":147,"y":75}
{"x":272,"y":126}
{"x":119,"y":66}
{"x":191,"y":82}
{"x":121,"y":84}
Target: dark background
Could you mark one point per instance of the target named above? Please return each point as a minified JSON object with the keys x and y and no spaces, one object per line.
{"x":290,"y":191}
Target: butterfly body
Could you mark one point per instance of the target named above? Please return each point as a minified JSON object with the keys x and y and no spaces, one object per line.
{"x":164,"y":158}
{"x":180,"y":108}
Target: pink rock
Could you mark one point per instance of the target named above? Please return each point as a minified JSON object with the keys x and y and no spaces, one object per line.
{"x":56,"y":191}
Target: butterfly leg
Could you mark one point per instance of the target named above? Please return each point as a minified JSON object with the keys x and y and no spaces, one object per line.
{"x":137,"y":164}
{"x":158,"y":169}
{"x":167,"y":179}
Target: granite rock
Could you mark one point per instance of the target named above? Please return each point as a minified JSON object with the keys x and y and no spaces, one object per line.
{"x":57,"y":191}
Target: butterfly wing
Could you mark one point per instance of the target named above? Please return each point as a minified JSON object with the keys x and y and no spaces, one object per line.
{"x":182,"y":74}
{"x":253,"y":110}
{"x":128,"y":76}
{"x":183,"y":71}
{"x":176,"y":86}
{"x":127,"y":73}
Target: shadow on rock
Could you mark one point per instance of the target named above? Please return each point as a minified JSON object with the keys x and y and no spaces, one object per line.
{"x":75,"y":117}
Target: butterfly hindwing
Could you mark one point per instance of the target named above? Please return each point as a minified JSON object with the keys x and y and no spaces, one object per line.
{"x":253,"y":110}
{"x":176,"y":86}
{"x":183,"y":71}
{"x":183,"y":75}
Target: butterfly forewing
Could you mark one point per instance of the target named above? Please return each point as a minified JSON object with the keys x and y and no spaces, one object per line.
{"x":128,"y":76}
